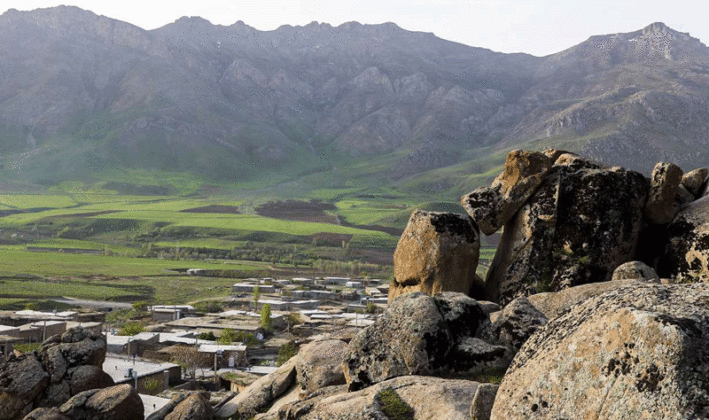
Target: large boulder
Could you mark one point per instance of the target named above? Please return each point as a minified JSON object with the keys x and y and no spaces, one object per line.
{"x":492,"y":207}
{"x":260,"y":394}
{"x":22,"y":379}
{"x":637,"y":270}
{"x":120,"y":402}
{"x":194,"y":407}
{"x":422,"y":335}
{"x":46,"y":413}
{"x":662,"y":203}
{"x":517,"y":322}
{"x":552,"y":304}
{"x":320,"y":364}
{"x":437,"y":252}
{"x":694,"y":180}
{"x":424,"y":398}
{"x":580,"y":224}
{"x":686,"y":257}
{"x":639,"y":352}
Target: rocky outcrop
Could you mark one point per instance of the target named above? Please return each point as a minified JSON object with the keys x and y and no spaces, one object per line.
{"x":425,"y":398}
{"x":320,"y":364}
{"x":423,"y":335}
{"x":120,"y":402}
{"x":662,"y":203}
{"x":637,"y":270}
{"x":686,"y":256}
{"x":517,"y":322}
{"x":46,"y":414}
{"x":437,"y":252}
{"x":483,"y":401}
{"x":259,"y":395}
{"x":63,"y":366}
{"x":579,"y":225}
{"x":194,"y":407}
{"x":640,"y":351}
{"x":492,"y":207}
{"x":694,"y":180}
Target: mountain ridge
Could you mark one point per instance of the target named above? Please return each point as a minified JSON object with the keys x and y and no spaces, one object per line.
{"x":381,"y":104}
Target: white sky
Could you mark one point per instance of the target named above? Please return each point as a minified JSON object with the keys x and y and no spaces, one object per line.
{"x":538,"y":27}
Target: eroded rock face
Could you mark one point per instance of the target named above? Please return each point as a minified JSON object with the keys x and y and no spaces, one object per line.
{"x":22,"y":379}
{"x":437,"y":252}
{"x":492,"y":207}
{"x":636,"y":270}
{"x":261,"y":393}
{"x":320,"y":364}
{"x":694,"y":180}
{"x":517,"y":322}
{"x":429,"y":398}
{"x":120,"y":402}
{"x":662,"y":202}
{"x":640,"y":351}
{"x":579,"y":225}
{"x":686,"y":257}
{"x":420,"y":335}
{"x":194,"y":407}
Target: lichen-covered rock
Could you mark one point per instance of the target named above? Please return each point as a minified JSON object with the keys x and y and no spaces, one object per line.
{"x":420,"y":335}
{"x":638,"y":352}
{"x":483,"y":400}
{"x":22,"y":379}
{"x":686,"y":257}
{"x":120,"y":402}
{"x":437,"y":252}
{"x":194,"y":407}
{"x":551,"y":304}
{"x":86,"y":377}
{"x":637,"y":270}
{"x":579,"y":225}
{"x":320,"y":364}
{"x":45,"y":413}
{"x":260,"y":394}
{"x":694,"y":180}
{"x":662,"y":202}
{"x":492,"y":207}
{"x":517,"y":322}
{"x":428,"y":398}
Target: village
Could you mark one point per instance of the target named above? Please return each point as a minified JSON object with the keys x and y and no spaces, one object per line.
{"x":222,"y":347}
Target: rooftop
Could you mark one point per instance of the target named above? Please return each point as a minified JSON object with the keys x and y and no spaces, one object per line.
{"x":117,"y":368}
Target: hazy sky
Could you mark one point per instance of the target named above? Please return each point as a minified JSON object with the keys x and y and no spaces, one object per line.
{"x":538,"y":27}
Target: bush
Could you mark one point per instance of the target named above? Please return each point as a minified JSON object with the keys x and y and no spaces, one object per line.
{"x":131,"y":328}
{"x":140,"y":305}
{"x":207,"y":336}
{"x":285,"y":352}
{"x":266,"y":321}
{"x":229,"y":336}
{"x":210,"y":306}
{"x":26,"y":347}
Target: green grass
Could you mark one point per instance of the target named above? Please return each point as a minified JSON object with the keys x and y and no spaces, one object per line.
{"x":393,"y":407}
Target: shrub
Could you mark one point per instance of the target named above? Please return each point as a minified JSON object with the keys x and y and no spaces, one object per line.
{"x":210,"y":306}
{"x":207,"y":336}
{"x":266,"y":321}
{"x":285,"y":352}
{"x":131,"y":328}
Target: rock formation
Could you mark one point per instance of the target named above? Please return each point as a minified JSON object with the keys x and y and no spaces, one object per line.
{"x":62,"y":367}
{"x":437,"y":252}
{"x":639,"y":351}
{"x":686,"y":257}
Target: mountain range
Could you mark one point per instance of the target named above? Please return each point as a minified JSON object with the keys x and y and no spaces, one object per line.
{"x":333,"y":107}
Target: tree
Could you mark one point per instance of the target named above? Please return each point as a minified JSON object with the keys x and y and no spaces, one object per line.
{"x":257,"y":296}
{"x":292,"y":319}
{"x":189,"y":358}
{"x":266,"y":321}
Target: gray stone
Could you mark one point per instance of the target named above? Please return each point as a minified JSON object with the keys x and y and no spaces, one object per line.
{"x":22,"y":379}
{"x":437,"y":252}
{"x":517,"y":322}
{"x":662,"y":202}
{"x":694,"y":180}
{"x":578,"y":226}
{"x":320,"y":364}
{"x":483,"y":401}
{"x":637,"y":270}
{"x":686,"y":256}
{"x":120,"y":402}
{"x":492,"y":207}
{"x":194,"y":407}
{"x":639,"y":351}
{"x":419,"y":335}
